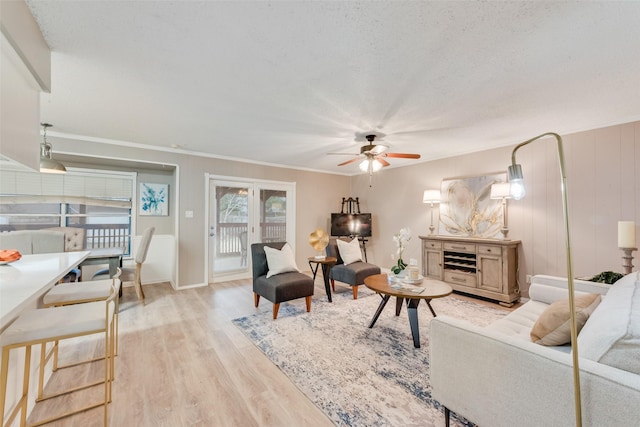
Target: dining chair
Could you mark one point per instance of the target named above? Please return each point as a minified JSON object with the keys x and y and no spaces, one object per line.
{"x":50,"y":325}
{"x":132,"y":274}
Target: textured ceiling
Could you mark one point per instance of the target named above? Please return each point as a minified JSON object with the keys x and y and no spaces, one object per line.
{"x":288,"y":82}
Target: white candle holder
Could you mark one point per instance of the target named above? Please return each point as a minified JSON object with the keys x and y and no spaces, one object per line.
{"x":627,"y":260}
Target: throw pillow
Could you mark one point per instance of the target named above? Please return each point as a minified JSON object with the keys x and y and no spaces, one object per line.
{"x":349,"y":252}
{"x":612,"y":334}
{"x":280,"y":261}
{"x":553,"y":327}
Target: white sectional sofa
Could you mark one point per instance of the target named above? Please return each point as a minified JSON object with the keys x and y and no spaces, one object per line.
{"x":496,"y":376}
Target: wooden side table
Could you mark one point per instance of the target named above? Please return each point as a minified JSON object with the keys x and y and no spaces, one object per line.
{"x":326,"y":263}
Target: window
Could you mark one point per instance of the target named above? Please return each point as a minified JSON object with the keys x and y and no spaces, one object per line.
{"x":97,"y":201}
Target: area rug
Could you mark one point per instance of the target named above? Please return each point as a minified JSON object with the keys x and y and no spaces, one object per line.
{"x":356,"y":375}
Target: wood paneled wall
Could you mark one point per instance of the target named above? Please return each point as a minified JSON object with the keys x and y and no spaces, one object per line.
{"x":603,"y":181}
{"x":603,"y":185}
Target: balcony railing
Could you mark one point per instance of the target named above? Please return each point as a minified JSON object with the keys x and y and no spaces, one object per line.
{"x":97,"y":235}
{"x":233,"y":236}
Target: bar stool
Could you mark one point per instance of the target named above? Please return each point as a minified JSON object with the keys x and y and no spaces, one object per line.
{"x":43,"y":326}
{"x":82,"y":292}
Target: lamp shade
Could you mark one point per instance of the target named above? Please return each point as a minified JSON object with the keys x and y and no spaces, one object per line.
{"x":51,"y":166}
{"x":501,"y":190}
{"x":431,"y":196}
{"x":626,"y":234}
{"x":47,"y":163}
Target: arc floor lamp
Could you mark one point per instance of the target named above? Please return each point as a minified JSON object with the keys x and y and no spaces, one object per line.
{"x":518,"y":192}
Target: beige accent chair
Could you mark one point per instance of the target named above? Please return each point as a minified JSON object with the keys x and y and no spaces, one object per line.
{"x":49,"y":325}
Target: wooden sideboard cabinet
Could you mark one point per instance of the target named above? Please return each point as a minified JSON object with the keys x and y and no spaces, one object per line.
{"x":482,"y":267}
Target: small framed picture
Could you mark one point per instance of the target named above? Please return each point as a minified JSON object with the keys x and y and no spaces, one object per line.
{"x":154,"y":199}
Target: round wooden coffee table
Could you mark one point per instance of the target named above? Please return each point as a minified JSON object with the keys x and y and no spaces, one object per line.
{"x":430,"y":289}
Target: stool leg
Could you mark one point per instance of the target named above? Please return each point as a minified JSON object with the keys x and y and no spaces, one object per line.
{"x":55,"y":356}
{"x":43,"y":351}
{"x":108,"y":347}
{"x":4,"y":372}
{"x":25,"y":386}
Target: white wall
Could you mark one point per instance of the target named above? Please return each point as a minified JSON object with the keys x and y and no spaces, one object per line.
{"x":25,"y":69}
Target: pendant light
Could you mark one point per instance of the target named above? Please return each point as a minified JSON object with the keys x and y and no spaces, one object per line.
{"x":47,"y":164}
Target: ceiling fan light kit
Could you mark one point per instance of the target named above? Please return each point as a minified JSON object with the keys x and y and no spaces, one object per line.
{"x":374,"y":155}
{"x":372,"y":164}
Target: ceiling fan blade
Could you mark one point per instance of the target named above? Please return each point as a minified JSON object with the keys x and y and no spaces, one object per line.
{"x":382,"y":161}
{"x":355,"y":159}
{"x":402,"y":155}
{"x":343,"y":154}
{"x":379,"y":149}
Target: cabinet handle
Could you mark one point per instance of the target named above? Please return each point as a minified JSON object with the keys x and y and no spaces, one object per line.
{"x":488,"y":250}
{"x":458,"y":247}
{"x":457,"y":279}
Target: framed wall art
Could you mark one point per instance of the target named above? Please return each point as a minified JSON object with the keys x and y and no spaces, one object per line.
{"x":467,"y":210}
{"x":154,"y":199}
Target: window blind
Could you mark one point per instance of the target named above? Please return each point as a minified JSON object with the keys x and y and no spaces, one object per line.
{"x":76,"y":186}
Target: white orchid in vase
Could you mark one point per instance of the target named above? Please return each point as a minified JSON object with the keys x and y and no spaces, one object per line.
{"x":401,"y":238}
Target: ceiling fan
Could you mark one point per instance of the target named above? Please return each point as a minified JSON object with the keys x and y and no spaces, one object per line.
{"x":375,"y":156}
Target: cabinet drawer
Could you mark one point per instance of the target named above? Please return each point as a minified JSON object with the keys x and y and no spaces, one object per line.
{"x":460,"y":247}
{"x":460,"y":278}
{"x":432,"y":245}
{"x":489,"y":250}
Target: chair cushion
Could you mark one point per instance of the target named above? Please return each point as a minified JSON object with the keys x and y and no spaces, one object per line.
{"x":66,"y":293}
{"x":47,"y":324}
{"x":284,"y":287}
{"x":350,"y":251}
{"x":353,"y":274}
{"x":280,"y":260}
{"x":553,"y":327}
{"x":612,"y":334}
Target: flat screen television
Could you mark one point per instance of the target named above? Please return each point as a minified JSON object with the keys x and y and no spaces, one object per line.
{"x":351,"y":224}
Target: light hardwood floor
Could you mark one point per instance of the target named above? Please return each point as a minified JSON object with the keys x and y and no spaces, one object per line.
{"x":183,"y":363}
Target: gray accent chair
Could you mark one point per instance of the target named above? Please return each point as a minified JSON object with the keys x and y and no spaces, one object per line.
{"x":281,"y":287}
{"x":352,"y":274}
